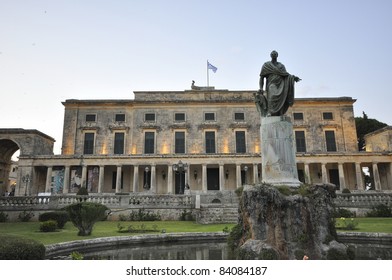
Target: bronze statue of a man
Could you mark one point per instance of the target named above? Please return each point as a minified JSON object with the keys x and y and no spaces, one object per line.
{"x":279,"y":89}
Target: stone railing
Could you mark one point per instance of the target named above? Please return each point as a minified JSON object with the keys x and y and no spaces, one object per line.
{"x":162,"y":201}
{"x":363,"y":200}
{"x":16,"y":203}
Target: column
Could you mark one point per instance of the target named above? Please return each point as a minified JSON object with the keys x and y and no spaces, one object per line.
{"x":101,"y":178}
{"x":170,"y":180}
{"x":221,"y":177}
{"x":238,"y":175}
{"x":307,"y":174}
{"x":324,"y":175}
{"x":255,"y":173}
{"x":358,"y":174}
{"x":186,"y":176}
{"x":118,"y":179}
{"x":135,"y":178}
{"x":153,"y":179}
{"x":204,"y":178}
{"x":342,"y":182}
{"x":67,"y":171}
{"x":48,"y":179}
{"x":84,"y":176}
{"x":376,"y":177}
{"x":390,"y":176}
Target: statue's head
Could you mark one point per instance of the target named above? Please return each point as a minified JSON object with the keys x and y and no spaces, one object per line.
{"x":274,"y":54}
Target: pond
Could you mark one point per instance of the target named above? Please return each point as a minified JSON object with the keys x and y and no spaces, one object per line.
{"x":197,"y":246}
{"x":166,"y":251}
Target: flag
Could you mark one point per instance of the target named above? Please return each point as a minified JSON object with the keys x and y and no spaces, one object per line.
{"x":212,"y":67}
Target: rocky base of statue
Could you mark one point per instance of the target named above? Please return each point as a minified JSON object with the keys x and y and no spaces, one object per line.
{"x":279,"y":165}
{"x":280,"y":223}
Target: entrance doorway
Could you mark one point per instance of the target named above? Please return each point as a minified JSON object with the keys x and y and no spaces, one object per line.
{"x":334,"y":177}
{"x":213,"y":179}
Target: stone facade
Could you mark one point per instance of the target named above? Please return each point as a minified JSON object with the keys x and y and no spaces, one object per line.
{"x":379,"y":140}
{"x":130,"y":146}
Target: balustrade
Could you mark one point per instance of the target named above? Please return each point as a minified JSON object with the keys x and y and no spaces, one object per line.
{"x":352,"y":200}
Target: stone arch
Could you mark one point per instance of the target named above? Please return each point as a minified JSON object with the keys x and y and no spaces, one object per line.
{"x":29,"y":142}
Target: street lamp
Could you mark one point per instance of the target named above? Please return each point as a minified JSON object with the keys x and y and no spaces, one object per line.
{"x":180,"y":168}
{"x":26,"y":179}
{"x":146,"y":185}
{"x":245,"y":169}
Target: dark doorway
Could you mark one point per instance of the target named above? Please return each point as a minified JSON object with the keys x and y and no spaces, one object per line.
{"x":334,"y":177}
{"x":179,"y":183}
{"x":301,"y":175}
{"x":213,"y":179}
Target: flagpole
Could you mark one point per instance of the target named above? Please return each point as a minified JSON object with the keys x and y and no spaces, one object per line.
{"x":208,"y":76}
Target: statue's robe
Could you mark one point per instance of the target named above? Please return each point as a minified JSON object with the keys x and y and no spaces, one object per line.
{"x":279,"y":88}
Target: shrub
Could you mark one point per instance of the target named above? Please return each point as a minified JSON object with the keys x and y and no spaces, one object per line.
{"x":380,"y":210}
{"x":25,"y":216}
{"x":239,"y":191}
{"x":346,"y":190}
{"x":142,"y":215}
{"x":82,"y":191}
{"x":48,"y":226}
{"x":61,"y":217}
{"x":348,"y":224}
{"x":76,"y":256}
{"x":233,"y":240}
{"x":18,"y":248}
{"x":3,"y":217}
{"x":186,"y":216}
{"x":341,"y":212}
{"x":285,"y":190}
{"x":84,"y":215}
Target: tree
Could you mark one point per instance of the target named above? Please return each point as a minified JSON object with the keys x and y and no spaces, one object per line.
{"x":364,"y":126}
{"x":85,"y":214}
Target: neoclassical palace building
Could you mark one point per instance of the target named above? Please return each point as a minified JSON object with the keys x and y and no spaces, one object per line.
{"x":199,"y":140}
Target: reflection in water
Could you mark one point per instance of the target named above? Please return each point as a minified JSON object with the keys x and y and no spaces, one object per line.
{"x":206,"y":251}
{"x":166,"y":251}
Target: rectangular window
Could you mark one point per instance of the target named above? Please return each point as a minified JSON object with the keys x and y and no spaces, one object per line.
{"x":300,"y":141}
{"x":149,"y":142}
{"x":119,"y":143}
{"x":327,"y":116}
{"x":179,"y":142}
{"x":88,"y":143}
{"x":298,"y":116}
{"x":179,"y":117}
{"x":149,"y":117}
{"x":90,"y":117}
{"x":120,"y":118}
{"x":240,"y":143}
{"x":209,"y":116}
{"x":210,"y":142}
{"x":330,"y":140}
{"x":239,"y":116}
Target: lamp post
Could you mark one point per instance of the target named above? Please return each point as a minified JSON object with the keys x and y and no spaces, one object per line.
{"x":26,"y":179}
{"x":146,"y":185}
{"x":180,"y":168}
{"x":245,"y":169}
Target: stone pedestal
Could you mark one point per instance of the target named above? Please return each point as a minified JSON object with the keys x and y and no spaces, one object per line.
{"x":279,"y":166}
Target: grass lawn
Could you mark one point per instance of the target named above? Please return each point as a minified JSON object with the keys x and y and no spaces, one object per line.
{"x":373,"y":225}
{"x":109,"y":228}
{"x":101,"y":229}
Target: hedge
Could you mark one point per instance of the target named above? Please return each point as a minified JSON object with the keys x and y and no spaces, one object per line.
{"x":18,"y":248}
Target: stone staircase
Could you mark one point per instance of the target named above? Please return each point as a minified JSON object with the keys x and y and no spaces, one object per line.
{"x":215,"y":214}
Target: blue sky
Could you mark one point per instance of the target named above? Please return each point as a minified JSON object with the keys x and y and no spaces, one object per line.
{"x":51,"y":51}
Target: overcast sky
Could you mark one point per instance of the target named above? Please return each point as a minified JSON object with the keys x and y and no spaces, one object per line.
{"x":52,"y":50}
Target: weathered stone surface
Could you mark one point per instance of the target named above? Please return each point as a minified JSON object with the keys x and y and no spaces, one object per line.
{"x":288,"y":226}
{"x":279,"y":165}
